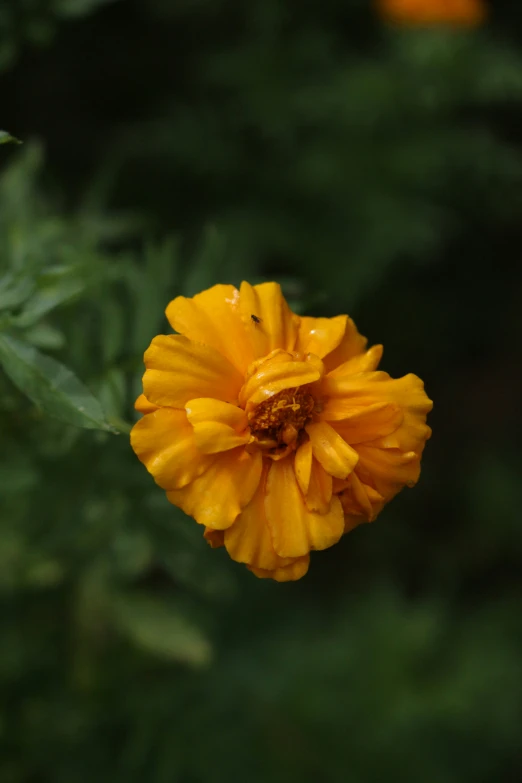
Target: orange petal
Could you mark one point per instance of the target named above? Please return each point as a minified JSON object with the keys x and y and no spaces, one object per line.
{"x":411,"y":436}
{"x":361,"y":503}
{"x":319,"y":493}
{"x":248,"y":539}
{"x":408,"y":392}
{"x":334,"y":454}
{"x":320,"y":336}
{"x":289,"y":573}
{"x":216,"y":538}
{"x":366,"y":424}
{"x":213,"y":317}
{"x":388,"y":470}
{"x":367,"y":499}
{"x":365,"y":389}
{"x":179,"y":370}
{"x":144,"y":406}
{"x":303,"y":466}
{"x":341,"y":384}
{"x":352,"y":343}
{"x":218,"y":496}
{"x":351,"y":521}
{"x":218,"y":426}
{"x":294,"y":529}
{"x":164,"y":442}
{"x":353,"y":412}
{"x":276,"y":326}
{"x":278,"y":372}
{"x":363,"y":362}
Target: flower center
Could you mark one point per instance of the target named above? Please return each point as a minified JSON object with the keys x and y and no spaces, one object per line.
{"x":276,"y":423}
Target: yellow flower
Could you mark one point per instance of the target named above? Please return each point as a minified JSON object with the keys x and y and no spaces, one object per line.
{"x":275,"y":432}
{"x":457,"y":12}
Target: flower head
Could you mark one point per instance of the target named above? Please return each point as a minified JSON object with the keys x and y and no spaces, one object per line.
{"x":428,"y":12}
{"x":275,"y":432}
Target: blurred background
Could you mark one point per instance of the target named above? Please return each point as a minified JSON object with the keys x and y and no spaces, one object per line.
{"x":371,"y":167}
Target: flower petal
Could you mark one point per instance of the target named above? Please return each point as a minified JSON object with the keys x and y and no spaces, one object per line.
{"x":351,"y":521}
{"x":388,"y":470}
{"x":366,"y":389}
{"x":218,"y":496}
{"x":248,"y":540}
{"x":213,"y":317}
{"x":408,"y":392}
{"x":218,"y":426}
{"x":360,"y":498}
{"x":356,"y":412}
{"x":352,"y":343}
{"x":319,"y":493}
{"x":144,"y":406}
{"x":342,"y":384}
{"x":215,"y":538}
{"x":289,"y":573}
{"x":366,"y":424}
{"x":361,"y":502}
{"x":179,"y":370}
{"x":294,"y":529}
{"x":320,"y":336}
{"x":163,"y":440}
{"x":303,"y":466}
{"x":276,"y":325}
{"x":334,"y":454}
{"x":278,"y":372}
{"x":363,"y":362}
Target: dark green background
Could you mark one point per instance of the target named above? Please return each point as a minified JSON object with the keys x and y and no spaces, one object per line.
{"x":370,"y":170}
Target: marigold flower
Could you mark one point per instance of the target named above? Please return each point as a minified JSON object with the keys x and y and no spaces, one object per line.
{"x":275,"y":432}
{"x":456,"y":12}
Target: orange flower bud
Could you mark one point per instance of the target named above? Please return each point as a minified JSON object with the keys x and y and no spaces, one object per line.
{"x":431,"y":12}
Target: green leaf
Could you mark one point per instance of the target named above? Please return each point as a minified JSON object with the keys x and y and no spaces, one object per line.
{"x":45,"y":336}
{"x":50,"y":385}
{"x":47,"y":299}
{"x":14,"y":290}
{"x":6,"y":138}
{"x":159,"y":628}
